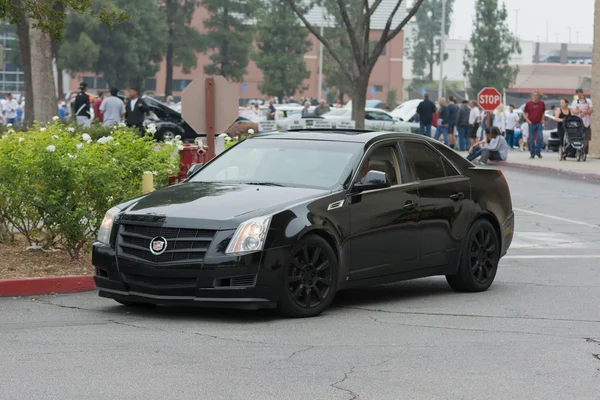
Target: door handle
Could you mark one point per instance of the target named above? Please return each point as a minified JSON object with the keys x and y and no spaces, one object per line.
{"x":410,"y":205}
{"x":457,"y":196}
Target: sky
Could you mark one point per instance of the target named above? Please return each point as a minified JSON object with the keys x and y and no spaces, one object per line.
{"x":533,"y":17}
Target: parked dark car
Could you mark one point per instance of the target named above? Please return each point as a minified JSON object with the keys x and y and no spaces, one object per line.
{"x":169,"y":122}
{"x":286,"y":220}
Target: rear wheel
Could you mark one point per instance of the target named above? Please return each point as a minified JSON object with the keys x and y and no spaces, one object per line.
{"x":479,"y":259}
{"x":309,"y":279}
{"x":166,"y":136}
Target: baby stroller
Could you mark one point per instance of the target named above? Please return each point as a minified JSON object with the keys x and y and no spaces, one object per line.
{"x":573,"y":144}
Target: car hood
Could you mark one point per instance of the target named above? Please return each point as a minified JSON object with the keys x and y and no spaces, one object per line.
{"x":218,"y":206}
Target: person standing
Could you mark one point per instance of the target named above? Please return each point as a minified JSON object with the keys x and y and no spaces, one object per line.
{"x":499,"y":120}
{"x":512,"y":120}
{"x":306,"y":110}
{"x":135,"y":111}
{"x":560,"y":114}
{"x":97,"y":114}
{"x":442,"y":123}
{"x":322,"y":108}
{"x":112,"y":109}
{"x":82,"y":106}
{"x":463,"y":126}
{"x":452,"y":120}
{"x":10,"y":108}
{"x":271,"y":111}
{"x":583,"y":108}
{"x":474,"y":117}
{"x":425,"y":111}
{"x":534,"y":116}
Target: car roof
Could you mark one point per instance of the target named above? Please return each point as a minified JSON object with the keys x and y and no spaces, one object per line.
{"x":338,"y":135}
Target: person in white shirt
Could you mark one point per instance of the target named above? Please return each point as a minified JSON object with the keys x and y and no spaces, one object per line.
{"x":500,"y":119}
{"x":10,"y":108}
{"x":583,"y":108}
{"x":512,"y":120}
{"x":474,"y":119}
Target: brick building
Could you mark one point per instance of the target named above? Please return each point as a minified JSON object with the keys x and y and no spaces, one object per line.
{"x":386,"y":74}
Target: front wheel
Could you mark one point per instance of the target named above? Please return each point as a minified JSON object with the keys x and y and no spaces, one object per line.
{"x":479,"y":259}
{"x":309,"y":278}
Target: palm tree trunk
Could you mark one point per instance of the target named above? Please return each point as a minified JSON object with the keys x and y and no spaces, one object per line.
{"x":45,"y":103}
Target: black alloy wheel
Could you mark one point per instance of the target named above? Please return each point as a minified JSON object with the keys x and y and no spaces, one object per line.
{"x":479,"y":260}
{"x":310,"y":278}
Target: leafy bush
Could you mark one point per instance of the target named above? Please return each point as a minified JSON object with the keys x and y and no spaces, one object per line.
{"x":56,"y":182}
{"x":390,"y":99}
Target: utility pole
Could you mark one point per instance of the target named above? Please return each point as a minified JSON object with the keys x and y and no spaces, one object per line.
{"x":547,"y":27}
{"x":442,"y":39}
{"x":319,"y":95}
{"x":569,"y":34}
{"x":517,"y":23}
{"x":577,"y":36}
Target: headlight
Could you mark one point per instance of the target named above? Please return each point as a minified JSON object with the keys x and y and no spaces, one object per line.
{"x":107,"y":223}
{"x":250,"y":236}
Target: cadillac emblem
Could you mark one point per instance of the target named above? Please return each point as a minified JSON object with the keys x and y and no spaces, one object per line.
{"x":158,"y":245}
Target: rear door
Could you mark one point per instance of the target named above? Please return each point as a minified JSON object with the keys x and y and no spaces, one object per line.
{"x":443,"y":211}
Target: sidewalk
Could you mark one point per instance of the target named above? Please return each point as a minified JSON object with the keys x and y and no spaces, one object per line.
{"x":589,"y":169}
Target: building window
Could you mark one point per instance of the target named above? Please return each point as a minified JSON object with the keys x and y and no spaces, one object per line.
{"x":90,"y":80}
{"x":378,"y":88}
{"x":150,"y":84}
{"x":374,"y":43}
{"x":180,"y":84}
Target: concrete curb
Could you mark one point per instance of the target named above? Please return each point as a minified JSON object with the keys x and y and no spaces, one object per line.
{"x":575,"y":174}
{"x":47,"y":285}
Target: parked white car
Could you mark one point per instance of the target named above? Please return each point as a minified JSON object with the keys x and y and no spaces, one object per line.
{"x":375,"y":119}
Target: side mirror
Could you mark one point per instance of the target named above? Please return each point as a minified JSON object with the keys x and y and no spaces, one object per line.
{"x":194,"y":168}
{"x":373,"y":180}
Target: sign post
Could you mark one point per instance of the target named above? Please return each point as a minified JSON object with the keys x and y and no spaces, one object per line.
{"x":489,"y":98}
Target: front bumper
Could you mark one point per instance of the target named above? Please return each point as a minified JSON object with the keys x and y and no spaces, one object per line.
{"x":251,"y":281}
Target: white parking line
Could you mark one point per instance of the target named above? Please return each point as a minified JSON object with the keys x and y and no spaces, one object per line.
{"x":557,"y":218}
{"x":548,"y":256}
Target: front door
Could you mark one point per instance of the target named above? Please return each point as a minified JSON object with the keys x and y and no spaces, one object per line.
{"x":443,"y":218}
{"x":384,"y":222}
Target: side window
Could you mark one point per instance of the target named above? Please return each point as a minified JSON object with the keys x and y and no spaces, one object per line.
{"x":386,"y":117}
{"x":450,"y":170}
{"x":384,"y":160}
{"x":426,"y":163}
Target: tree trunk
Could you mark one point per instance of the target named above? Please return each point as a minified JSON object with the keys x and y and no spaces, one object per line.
{"x":5,"y":235}
{"x":169,"y":62}
{"x":341,"y":97}
{"x":359,"y":100}
{"x":59,"y":7}
{"x":23,"y":33}
{"x":45,"y":103}
{"x":595,"y":144}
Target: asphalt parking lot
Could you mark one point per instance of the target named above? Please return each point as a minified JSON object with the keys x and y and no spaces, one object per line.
{"x":534,"y":335}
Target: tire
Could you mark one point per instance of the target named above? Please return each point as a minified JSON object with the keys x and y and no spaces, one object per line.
{"x":479,"y":259}
{"x":166,"y":136}
{"x":578,"y":155}
{"x":309,"y":280}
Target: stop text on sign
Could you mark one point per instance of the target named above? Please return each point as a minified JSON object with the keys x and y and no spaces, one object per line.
{"x":489,"y":98}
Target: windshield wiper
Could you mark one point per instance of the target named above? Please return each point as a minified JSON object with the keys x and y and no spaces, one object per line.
{"x":264,"y":183}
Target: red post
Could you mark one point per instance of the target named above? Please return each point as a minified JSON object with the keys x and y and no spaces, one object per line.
{"x":210,"y":117}
{"x":189,"y":156}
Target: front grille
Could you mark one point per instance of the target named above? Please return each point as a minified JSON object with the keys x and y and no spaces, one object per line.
{"x":182,"y":244}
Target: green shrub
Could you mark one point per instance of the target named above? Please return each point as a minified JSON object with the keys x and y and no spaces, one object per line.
{"x":56,"y":182}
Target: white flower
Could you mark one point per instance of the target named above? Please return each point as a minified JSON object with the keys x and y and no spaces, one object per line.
{"x":223,"y":135}
{"x":154,"y":173}
{"x":51,"y":148}
{"x":110,"y":138}
{"x":21,"y":139}
{"x":42,"y":129}
{"x":103,"y":140}
{"x":151,"y":128}
{"x":177,"y":137}
{"x":54,"y":137}
{"x":86,"y":137}
{"x":4,"y":136}
{"x":80,"y":146}
{"x":11,"y":131}
{"x":250,"y":131}
{"x":114,"y":160}
{"x":228,"y":139}
{"x":55,"y":118}
{"x":121,"y":124}
{"x":170,"y":143}
{"x":71,"y":129}
{"x":116,"y":144}
{"x":179,"y":147}
{"x":71,"y":156}
{"x":90,"y":141}
{"x":9,"y":125}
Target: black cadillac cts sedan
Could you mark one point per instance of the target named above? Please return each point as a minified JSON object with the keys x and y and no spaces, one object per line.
{"x":285,"y":220}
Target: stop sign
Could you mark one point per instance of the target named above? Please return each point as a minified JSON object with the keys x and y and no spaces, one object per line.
{"x":489,"y":99}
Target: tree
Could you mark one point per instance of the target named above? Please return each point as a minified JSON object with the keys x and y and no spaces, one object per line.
{"x":229,"y":37}
{"x":45,"y":102}
{"x":488,"y":64}
{"x":424,"y":48}
{"x":364,"y":54}
{"x":50,"y":16}
{"x":281,"y":44}
{"x":125,"y":54}
{"x":183,"y":40}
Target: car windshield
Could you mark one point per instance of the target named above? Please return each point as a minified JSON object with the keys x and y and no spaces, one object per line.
{"x":285,"y":162}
